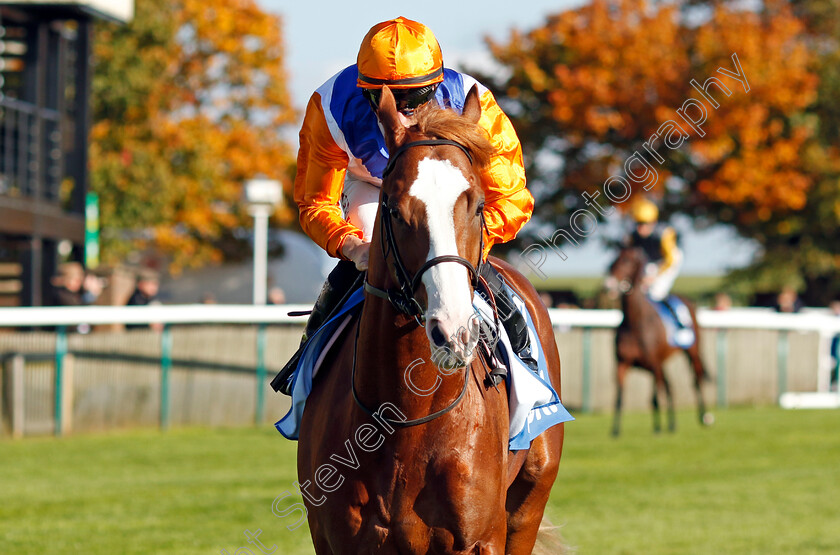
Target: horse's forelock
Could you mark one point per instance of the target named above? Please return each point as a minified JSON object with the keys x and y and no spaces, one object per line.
{"x":433,"y":121}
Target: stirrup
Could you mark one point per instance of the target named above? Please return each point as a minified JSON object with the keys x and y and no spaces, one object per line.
{"x":673,"y":310}
{"x":515,"y":323}
{"x":282,"y":382}
{"x":525,"y":356}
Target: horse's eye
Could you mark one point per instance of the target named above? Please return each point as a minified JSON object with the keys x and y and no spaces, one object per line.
{"x":395,"y":214}
{"x":479,"y":209}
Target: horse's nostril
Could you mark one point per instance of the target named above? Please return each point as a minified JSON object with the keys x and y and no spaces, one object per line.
{"x":438,"y":337}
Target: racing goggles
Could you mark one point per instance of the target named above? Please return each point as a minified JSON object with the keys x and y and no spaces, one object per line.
{"x":408,"y":100}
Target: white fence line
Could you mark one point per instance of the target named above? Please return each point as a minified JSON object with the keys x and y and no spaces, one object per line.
{"x":823,"y":324}
{"x":759,"y":319}
{"x":164,"y":314}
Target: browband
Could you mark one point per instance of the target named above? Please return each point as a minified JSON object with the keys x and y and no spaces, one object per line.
{"x":427,"y":142}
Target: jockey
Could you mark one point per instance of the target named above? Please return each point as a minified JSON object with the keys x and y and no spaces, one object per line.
{"x":664,"y":256}
{"x":342,"y":153}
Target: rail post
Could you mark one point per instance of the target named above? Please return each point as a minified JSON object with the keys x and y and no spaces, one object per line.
{"x":60,"y":353}
{"x":165,"y":367}
{"x":782,"y":349}
{"x":586,"y":381}
{"x":260,"y":405}
{"x":14,"y":390}
{"x":720,"y":370}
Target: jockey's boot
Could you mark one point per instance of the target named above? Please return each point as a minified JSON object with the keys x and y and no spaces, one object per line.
{"x":512,"y":320}
{"x":338,"y":286}
{"x":678,"y":319}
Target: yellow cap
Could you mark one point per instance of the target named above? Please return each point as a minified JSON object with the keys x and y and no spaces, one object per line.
{"x":400,"y":53}
{"x":645,"y":212}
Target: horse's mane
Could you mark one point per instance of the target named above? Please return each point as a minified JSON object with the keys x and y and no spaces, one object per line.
{"x":434,"y":121}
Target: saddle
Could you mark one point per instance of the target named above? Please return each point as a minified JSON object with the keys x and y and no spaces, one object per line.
{"x":676,"y":317}
{"x":534,"y":404}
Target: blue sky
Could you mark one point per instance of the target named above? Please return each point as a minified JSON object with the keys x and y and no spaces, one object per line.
{"x":324,"y":37}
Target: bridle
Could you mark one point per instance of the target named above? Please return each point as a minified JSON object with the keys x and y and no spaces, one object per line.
{"x":402,"y":298}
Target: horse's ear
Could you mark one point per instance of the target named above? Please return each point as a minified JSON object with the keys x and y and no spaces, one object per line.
{"x":394,"y":130}
{"x":472,"y":106}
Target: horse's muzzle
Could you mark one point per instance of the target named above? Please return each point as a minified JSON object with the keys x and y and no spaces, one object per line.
{"x":452,"y":349}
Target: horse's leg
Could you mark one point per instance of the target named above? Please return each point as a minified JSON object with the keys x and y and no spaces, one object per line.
{"x":666,"y":387}
{"x":321,"y":545}
{"x":700,"y":374}
{"x":654,"y":403}
{"x":661,"y":385}
{"x":621,"y":374}
{"x":529,"y":490}
{"x":528,"y":494}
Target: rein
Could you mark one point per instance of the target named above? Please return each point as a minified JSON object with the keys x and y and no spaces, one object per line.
{"x":403,"y":299}
{"x":391,"y":421}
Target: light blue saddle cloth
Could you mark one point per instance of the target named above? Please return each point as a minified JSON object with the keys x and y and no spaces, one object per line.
{"x":534,"y":404}
{"x":682,"y":337}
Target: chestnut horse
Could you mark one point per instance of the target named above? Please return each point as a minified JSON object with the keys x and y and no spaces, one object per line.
{"x":641,"y":340}
{"x":424,"y":467}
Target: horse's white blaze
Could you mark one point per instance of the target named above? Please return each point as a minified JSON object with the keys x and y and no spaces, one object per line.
{"x":438,"y":186}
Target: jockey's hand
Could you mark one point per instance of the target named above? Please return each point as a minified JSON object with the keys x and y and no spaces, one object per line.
{"x":356,"y":250}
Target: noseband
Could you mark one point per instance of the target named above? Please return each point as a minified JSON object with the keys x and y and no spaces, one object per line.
{"x":403,"y":298}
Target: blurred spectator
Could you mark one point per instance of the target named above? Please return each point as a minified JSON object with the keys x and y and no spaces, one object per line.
{"x":208,"y":298}
{"x":145,"y":293}
{"x":72,"y":286}
{"x":545,"y":297}
{"x":834,"y":306}
{"x":722,"y":301}
{"x":788,"y":301}
{"x":146,"y":289}
{"x":276,"y":296}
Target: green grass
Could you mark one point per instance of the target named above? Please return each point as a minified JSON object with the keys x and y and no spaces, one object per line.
{"x":759,"y":481}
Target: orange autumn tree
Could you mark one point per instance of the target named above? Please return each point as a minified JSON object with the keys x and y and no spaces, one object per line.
{"x":189,"y":101}
{"x":589,"y":88}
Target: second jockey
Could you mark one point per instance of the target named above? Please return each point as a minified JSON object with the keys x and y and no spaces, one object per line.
{"x":659,"y":243}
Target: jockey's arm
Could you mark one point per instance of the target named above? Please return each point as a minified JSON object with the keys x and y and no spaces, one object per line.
{"x":321,"y":166}
{"x":670,"y":250}
{"x":508,"y":204}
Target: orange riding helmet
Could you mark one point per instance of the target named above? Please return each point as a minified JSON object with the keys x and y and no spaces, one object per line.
{"x":400,"y":53}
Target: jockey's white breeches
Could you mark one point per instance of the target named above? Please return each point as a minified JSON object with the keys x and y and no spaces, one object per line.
{"x":359,"y":202}
{"x":662,"y":282}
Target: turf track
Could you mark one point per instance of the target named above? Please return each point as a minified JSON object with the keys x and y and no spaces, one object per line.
{"x":760,"y":481}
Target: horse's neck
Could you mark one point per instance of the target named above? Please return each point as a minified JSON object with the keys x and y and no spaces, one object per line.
{"x":388,"y":344}
{"x":635,"y":299}
{"x":392,"y":356}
